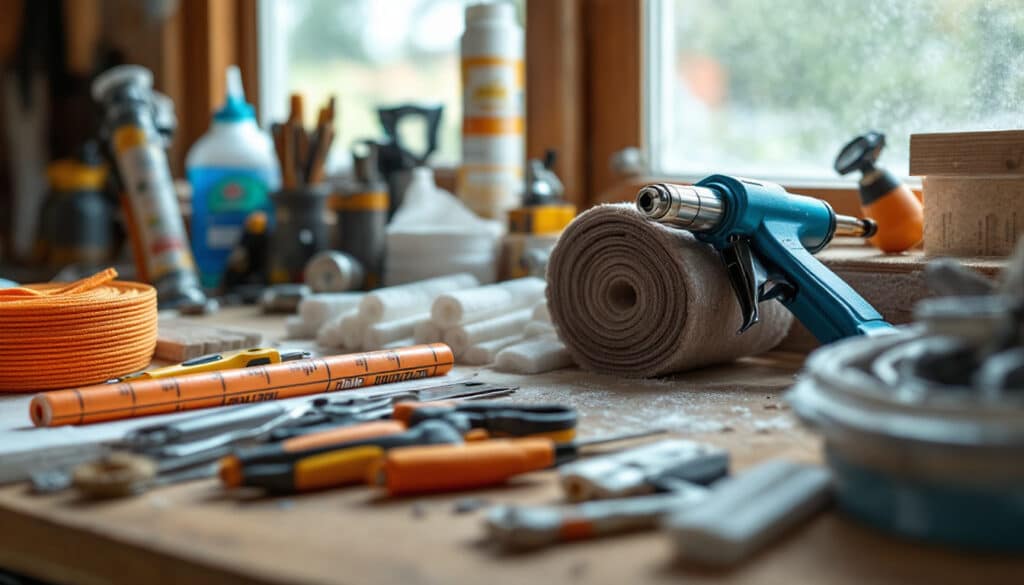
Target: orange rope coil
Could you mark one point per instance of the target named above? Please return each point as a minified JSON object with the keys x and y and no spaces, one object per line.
{"x":64,"y":335}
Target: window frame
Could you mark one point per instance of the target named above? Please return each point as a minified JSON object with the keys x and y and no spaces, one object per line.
{"x":619,"y":60}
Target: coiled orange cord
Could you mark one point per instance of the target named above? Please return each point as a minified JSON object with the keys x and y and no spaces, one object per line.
{"x":65,"y":335}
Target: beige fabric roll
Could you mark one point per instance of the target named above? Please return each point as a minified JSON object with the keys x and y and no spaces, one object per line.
{"x":634,"y":298}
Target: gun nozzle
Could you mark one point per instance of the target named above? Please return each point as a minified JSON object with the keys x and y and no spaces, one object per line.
{"x":683,"y":206}
{"x":652,"y":202}
{"x":855,"y":227}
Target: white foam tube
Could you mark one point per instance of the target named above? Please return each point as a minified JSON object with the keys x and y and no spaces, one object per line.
{"x":476,"y":304}
{"x":317,"y":309}
{"x":427,"y":332}
{"x":296,"y":328}
{"x":541,"y":313}
{"x":330,"y":336}
{"x":535,"y":356}
{"x":330,"y":333}
{"x":483,"y":353}
{"x":388,"y":304}
{"x":380,"y":334}
{"x":538,"y":328}
{"x":461,"y":337}
{"x":352,"y":330}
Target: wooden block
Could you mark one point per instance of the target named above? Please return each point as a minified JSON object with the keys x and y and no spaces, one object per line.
{"x":973,"y":216}
{"x":179,"y":340}
{"x":892,"y":283}
{"x":967,"y":153}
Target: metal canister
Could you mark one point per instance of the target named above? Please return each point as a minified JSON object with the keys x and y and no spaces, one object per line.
{"x":77,"y":223}
{"x":362,"y":215}
{"x":299,"y":231}
{"x":136,"y":145}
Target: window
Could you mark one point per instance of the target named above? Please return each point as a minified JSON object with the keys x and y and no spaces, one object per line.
{"x":774,"y":89}
{"x":369,"y":53}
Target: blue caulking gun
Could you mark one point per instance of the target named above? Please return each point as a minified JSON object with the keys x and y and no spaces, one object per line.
{"x":767,"y":238}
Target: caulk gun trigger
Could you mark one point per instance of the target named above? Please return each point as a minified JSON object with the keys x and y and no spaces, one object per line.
{"x":743,"y":276}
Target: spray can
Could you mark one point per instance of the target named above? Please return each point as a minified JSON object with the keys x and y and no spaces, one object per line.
{"x":136,"y":146}
{"x":491,"y":176}
{"x":362,"y":215}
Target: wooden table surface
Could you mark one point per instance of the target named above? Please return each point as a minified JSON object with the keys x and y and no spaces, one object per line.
{"x":196,"y":533}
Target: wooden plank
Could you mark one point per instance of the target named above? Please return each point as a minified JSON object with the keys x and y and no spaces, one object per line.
{"x":968,"y":153}
{"x":555,"y":98}
{"x":615,"y":85}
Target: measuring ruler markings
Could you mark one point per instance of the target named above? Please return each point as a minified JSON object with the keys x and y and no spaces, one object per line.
{"x":106,"y":402}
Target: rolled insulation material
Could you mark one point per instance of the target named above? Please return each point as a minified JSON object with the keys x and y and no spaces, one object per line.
{"x":380,"y":334}
{"x":461,"y":337}
{"x":388,"y":304}
{"x":635,"y":298}
{"x":320,"y":308}
{"x":535,"y":356}
{"x":483,"y":353}
{"x":477,"y":304}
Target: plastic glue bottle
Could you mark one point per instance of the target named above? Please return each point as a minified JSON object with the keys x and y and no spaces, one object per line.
{"x":232,"y":169}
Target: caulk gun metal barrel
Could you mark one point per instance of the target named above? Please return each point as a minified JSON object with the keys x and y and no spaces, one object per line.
{"x":699,"y":209}
{"x":766,"y":238}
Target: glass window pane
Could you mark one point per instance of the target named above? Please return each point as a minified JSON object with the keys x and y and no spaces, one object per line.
{"x":774,"y":89}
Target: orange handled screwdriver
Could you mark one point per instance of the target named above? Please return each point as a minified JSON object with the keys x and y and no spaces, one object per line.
{"x":233,"y":467}
{"x":442,"y":468}
{"x":335,"y":466}
{"x":897,"y":212}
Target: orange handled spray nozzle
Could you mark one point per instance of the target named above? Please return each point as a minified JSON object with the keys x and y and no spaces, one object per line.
{"x":898,"y":213}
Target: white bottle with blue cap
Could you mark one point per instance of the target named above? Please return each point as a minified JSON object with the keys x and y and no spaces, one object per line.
{"x":232,"y":169}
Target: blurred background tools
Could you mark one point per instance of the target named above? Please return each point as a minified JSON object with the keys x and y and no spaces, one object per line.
{"x":361,"y":211}
{"x":301,"y":152}
{"x":895,"y":209}
{"x":395,"y":159}
{"x":76,"y":224}
{"x":135,"y":134}
{"x":67,"y":335}
{"x":148,"y":397}
{"x":534,"y":227}
{"x":751,"y":224}
{"x":298,"y":229}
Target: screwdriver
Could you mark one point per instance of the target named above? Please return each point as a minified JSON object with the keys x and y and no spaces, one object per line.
{"x":442,"y":468}
{"x":339,"y":466}
{"x":235,"y":468}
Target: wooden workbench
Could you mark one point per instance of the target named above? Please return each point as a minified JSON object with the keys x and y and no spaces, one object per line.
{"x":196,"y":533}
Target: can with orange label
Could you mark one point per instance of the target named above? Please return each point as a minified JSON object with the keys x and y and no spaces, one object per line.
{"x":493,"y":148}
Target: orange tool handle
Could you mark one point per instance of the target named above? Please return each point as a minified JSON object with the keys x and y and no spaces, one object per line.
{"x":403,"y":410}
{"x":336,"y":468}
{"x":441,"y":468}
{"x":106,"y":402}
{"x":232,"y":469}
{"x":900,"y":218}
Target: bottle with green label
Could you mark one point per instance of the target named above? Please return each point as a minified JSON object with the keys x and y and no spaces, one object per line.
{"x":232,"y":169}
